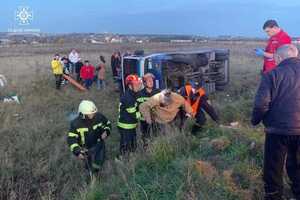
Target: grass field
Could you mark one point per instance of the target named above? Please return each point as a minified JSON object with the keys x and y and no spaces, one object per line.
{"x":35,"y":162}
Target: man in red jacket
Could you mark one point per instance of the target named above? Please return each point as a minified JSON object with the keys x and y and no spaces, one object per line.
{"x":277,"y":38}
{"x":87,"y":72}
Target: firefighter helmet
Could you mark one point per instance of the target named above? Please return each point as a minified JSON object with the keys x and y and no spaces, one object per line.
{"x":132,"y":79}
{"x":87,"y":107}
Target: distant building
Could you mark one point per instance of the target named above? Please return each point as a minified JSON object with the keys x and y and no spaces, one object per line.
{"x":6,"y":41}
{"x":181,"y":41}
{"x":93,"y":41}
{"x":116,"y":40}
{"x":296,"y":41}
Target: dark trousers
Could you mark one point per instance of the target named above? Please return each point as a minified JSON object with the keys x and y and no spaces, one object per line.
{"x":88,"y":83}
{"x":127,"y":141}
{"x":145,"y":129}
{"x":58,"y":80}
{"x":149,"y":131}
{"x":200,"y":121}
{"x":96,"y":157}
{"x":278,"y":149}
{"x":78,"y":79}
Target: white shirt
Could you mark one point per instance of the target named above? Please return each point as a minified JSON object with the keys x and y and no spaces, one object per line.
{"x":74,"y":57}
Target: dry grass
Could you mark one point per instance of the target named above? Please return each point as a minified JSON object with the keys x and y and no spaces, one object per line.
{"x":35,"y":162}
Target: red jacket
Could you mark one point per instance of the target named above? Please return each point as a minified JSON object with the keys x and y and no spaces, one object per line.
{"x":274,"y":43}
{"x":87,"y":72}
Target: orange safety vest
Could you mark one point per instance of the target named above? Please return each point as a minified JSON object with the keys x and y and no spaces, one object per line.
{"x":195,"y":105}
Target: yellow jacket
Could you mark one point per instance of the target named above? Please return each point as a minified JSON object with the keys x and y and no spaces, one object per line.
{"x":153,"y":111}
{"x":56,"y":67}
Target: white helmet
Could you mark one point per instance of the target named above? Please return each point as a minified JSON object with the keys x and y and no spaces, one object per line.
{"x":87,"y":107}
{"x":3,"y":81}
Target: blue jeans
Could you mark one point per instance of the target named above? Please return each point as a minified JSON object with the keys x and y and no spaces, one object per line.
{"x":88,"y":83}
{"x":100,"y":84}
{"x":72,"y":67}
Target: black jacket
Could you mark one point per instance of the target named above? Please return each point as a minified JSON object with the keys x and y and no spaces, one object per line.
{"x":277,"y":101}
{"x":144,"y":95}
{"x":78,"y":66}
{"x":128,"y":110}
{"x":85,"y":133}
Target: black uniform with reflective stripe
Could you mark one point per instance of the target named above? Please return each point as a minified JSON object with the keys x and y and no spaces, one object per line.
{"x":128,"y":110}
{"x":144,"y":95}
{"x":87,"y":132}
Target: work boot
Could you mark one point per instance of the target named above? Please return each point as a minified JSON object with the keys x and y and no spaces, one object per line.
{"x":273,"y":196}
{"x":195,"y":129}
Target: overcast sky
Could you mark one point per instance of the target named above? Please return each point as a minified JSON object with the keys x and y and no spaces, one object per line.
{"x":199,"y":17}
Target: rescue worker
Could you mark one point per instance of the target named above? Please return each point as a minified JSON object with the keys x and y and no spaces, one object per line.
{"x":164,"y":107}
{"x":144,"y":95}
{"x":277,"y":38}
{"x":195,"y":96}
{"x":129,"y":115}
{"x":57,"y":69}
{"x":87,"y":135}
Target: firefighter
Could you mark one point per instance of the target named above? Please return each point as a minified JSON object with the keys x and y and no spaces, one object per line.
{"x":144,"y":95}
{"x":87,"y":135}
{"x":129,"y":115}
{"x":195,"y":96}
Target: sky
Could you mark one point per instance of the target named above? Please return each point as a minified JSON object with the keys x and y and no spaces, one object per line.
{"x":191,"y":17}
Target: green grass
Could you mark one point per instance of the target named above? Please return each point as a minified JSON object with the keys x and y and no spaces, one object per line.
{"x":35,"y":162}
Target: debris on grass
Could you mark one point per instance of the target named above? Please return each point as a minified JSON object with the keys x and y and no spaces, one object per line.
{"x":206,"y":170}
{"x":220,"y":144}
{"x":234,"y":124}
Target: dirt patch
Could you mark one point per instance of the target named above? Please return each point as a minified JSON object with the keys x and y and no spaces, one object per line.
{"x":206,"y":170}
{"x":220,"y":144}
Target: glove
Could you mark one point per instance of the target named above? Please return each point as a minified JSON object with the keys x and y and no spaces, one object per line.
{"x":138,"y":115}
{"x":188,"y":115}
{"x":259,"y":52}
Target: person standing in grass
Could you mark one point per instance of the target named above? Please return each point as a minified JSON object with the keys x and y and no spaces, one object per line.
{"x":74,"y":58}
{"x":148,"y":91}
{"x":277,"y":105}
{"x":87,"y":72}
{"x":101,"y":69}
{"x":277,"y":38}
{"x":78,"y":66}
{"x":129,"y":115}
{"x":87,"y":135}
{"x":57,"y":69}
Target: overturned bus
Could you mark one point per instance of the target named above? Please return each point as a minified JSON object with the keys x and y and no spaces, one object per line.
{"x":210,"y":67}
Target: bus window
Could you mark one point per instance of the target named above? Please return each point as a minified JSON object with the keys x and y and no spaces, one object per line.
{"x":153,"y":66}
{"x":130,"y":66}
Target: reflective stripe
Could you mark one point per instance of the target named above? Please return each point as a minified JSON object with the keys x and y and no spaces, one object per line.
{"x":96,"y":166}
{"x":126,"y":126}
{"x":106,"y":128}
{"x":82,"y":134}
{"x":138,"y":115}
{"x":97,"y":125}
{"x":131,"y":110}
{"x":142,"y":99}
{"x":70,"y":134}
{"x":73,"y":146}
